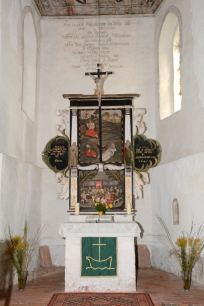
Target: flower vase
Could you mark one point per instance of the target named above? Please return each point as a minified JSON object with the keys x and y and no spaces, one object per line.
{"x":186,"y":281}
{"x":100,"y":213}
{"x":22,"y":279}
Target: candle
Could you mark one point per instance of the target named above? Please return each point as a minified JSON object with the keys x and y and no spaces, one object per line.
{"x":128,"y":207}
{"x":77,"y":209}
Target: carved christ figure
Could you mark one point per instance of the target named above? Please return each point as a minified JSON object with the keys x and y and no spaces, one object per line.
{"x":99,"y":85}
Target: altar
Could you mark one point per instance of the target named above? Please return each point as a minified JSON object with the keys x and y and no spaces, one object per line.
{"x":123,"y":278}
{"x":101,"y":163}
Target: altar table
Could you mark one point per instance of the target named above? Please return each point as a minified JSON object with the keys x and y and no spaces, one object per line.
{"x":124,"y":281}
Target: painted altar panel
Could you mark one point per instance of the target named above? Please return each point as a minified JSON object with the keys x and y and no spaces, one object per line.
{"x":109,"y":185}
{"x":88,"y":125}
{"x":105,"y":145}
{"x":101,"y":134}
{"x":112,"y":135}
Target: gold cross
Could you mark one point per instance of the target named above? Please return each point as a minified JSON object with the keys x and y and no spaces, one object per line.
{"x":99,"y":249}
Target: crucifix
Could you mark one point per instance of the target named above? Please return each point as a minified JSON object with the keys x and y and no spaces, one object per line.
{"x":96,"y":76}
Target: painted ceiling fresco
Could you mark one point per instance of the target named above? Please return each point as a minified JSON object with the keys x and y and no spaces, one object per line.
{"x":96,"y":7}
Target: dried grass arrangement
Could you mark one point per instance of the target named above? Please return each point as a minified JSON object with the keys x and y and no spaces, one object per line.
{"x":187,"y":248}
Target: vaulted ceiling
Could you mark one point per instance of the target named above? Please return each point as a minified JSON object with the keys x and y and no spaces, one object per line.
{"x":96,"y":7}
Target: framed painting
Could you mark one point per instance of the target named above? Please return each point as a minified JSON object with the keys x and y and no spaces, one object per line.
{"x":89,"y":135}
{"x":112,"y":123}
{"x":109,"y":185}
{"x":101,"y":134}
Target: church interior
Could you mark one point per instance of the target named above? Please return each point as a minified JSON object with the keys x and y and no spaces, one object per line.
{"x":138,"y":64}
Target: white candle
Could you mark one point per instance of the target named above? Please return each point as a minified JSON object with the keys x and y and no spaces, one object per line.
{"x":77,"y":209}
{"x":128,"y":207}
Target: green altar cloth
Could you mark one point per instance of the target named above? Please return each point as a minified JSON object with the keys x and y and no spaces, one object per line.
{"x":98,"y":256}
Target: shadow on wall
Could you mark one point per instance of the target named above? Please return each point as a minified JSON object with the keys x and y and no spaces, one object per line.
{"x":6,"y":275}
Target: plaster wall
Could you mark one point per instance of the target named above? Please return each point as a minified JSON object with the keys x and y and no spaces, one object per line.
{"x":20,"y":194}
{"x":20,"y":200}
{"x":19,"y":132}
{"x":181,"y":137}
{"x":183,"y":180}
{"x":174,"y":139}
{"x":59,"y":75}
{"x":20,"y":178}
{"x":53,"y":213}
{"x":130,"y":55}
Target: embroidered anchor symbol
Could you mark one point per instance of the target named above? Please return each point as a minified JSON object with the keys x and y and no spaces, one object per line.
{"x":92,"y":260}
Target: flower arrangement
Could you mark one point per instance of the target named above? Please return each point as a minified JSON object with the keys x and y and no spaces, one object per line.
{"x":101,"y":204}
{"x":187,"y":249}
{"x":20,"y":249}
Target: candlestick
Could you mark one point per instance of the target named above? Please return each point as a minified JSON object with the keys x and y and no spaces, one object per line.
{"x":128,"y":207}
{"x":77,"y":209}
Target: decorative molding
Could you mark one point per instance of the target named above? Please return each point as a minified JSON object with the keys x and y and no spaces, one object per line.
{"x":127,"y":111}
{"x":149,"y":150}
{"x":90,"y":167}
{"x":64,"y":181}
{"x":73,"y":192}
{"x":64,"y":120}
{"x":140,"y":179}
{"x":138,"y":114}
{"x":74,"y":111}
{"x":113,"y":167}
{"x":128,"y":190}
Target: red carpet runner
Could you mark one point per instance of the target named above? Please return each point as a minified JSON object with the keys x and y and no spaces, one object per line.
{"x":101,"y":299}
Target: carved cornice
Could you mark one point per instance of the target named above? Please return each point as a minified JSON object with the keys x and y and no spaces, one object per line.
{"x":92,"y":97}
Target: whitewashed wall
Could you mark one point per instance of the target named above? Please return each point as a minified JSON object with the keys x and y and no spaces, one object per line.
{"x":69,"y":48}
{"x":20,"y":178}
{"x":181,"y":135}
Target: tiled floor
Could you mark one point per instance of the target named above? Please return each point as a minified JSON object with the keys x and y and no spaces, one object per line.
{"x":164,"y":288}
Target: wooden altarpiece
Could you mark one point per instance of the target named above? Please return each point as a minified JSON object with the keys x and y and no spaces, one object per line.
{"x":100,"y":166}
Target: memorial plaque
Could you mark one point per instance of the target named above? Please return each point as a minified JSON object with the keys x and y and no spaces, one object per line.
{"x":147,"y":153}
{"x":56,"y":154}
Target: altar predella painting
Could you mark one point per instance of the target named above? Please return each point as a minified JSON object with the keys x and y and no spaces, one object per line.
{"x":108,"y":185}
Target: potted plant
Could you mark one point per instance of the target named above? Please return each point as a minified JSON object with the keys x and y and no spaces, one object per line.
{"x":20,"y":250}
{"x":186,"y":249}
{"x":101,"y":205}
